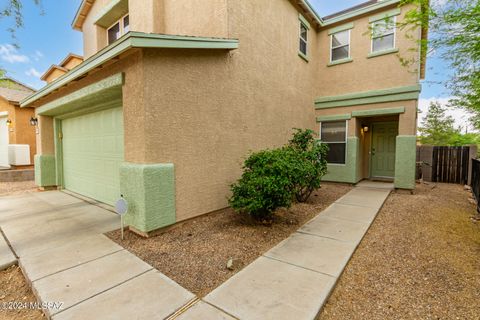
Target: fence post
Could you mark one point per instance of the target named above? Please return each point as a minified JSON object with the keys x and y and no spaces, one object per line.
{"x":472,"y":154}
{"x":426,"y":158}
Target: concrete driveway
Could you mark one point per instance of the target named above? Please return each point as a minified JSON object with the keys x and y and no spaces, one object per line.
{"x":60,"y":246}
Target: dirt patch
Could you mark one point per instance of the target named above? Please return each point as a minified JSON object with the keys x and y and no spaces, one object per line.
{"x":14,"y":289}
{"x":10,"y":188}
{"x":419,"y":260}
{"x":195,"y":253}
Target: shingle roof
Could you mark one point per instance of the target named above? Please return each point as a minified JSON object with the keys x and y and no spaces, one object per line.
{"x":359,"y":6}
{"x":14,"y":91}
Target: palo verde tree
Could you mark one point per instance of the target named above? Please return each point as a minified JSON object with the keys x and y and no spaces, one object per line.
{"x":453,"y":35}
{"x":437,"y":127}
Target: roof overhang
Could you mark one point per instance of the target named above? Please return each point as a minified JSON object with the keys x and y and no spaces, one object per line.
{"x":81,"y":14}
{"x":129,"y":41}
{"x":361,"y":11}
{"x":69,"y":57}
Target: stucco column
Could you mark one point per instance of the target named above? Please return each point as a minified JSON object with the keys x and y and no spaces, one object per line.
{"x":44,"y":160}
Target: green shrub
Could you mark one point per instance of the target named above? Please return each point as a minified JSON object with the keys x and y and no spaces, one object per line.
{"x":265,"y":184}
{"x":313,"y":156}
{"x":273,"y":178}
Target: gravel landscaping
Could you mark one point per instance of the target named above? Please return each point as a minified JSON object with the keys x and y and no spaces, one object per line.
{"x":195,"y":253}
{"x":419,"y":260}
{"x":11,"y":188}
{"x":13,"y":288}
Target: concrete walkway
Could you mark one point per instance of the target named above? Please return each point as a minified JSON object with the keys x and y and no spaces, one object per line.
{"x":63,"y":253}
{"x":294,"y":279}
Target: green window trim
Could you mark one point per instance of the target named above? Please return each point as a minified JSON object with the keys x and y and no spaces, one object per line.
{"x":385,"y":15}
{"x":341,"y":28}
{"x":382,"y":53}
{"x":304,"y":57}
{"x":378,"y":112}
{"x":341,"y":61}
{"x":335,"y":117}
{"x":304,"y":21}
{"x":370,"y":97}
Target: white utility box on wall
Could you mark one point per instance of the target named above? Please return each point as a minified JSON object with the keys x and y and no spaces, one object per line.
{"x":19,"y":154}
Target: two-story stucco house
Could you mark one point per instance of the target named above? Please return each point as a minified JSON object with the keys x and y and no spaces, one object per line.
{"x":173,"y":95}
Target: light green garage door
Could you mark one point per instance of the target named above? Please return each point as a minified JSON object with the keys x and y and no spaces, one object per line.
{"x":92,"y":154}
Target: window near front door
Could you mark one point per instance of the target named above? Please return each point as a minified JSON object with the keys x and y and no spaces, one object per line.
{"x":303,"y":39}
{"x":383,"y":35}
{"x":335,"y":135}
{"x":118,"y":29}
{"x":340,"y":44}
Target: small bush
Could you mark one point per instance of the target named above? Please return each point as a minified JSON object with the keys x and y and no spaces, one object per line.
{"x":313,"y":158}
{"x":274,"y":178}
{"x":265,"y":184}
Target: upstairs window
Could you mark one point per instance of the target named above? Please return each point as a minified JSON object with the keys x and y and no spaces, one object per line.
{"x":118,"y":29}
{"x":340,"y":44}
{"x":383,"y":34}
{"x":335,"y":135}
{"x":303,"y":39}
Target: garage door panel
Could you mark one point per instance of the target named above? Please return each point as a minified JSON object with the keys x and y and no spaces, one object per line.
{"x":92,"y":154}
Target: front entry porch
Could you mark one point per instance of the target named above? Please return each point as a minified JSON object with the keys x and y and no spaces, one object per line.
{"x":370,"y":143}
{"x":378,"y":148}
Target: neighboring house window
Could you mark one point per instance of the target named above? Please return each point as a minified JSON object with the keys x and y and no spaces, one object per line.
{"x":340,"y":44}
{"x":303,"y":38}
{"x":335,"y":135}
{"x":383,"y":34}
{"x":118,"y":29}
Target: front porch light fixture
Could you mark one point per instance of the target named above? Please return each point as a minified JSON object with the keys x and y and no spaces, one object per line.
{"x":33,"y":121}
{"x":9,"y":122}
{"x":365,"y":129}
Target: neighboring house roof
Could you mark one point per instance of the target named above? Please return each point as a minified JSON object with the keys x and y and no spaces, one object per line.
{"x":13,"y":90}
{"x":69,"y":57}
{"x":7,"y":82}
{"x":61,"y":66}
{"x":52,"y":68}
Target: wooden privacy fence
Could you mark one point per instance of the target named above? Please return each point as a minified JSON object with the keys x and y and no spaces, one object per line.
{"x":445,"y":164}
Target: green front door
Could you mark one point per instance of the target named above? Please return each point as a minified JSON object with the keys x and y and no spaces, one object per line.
{"x":384,"y":135}
{"x":92,"y":154}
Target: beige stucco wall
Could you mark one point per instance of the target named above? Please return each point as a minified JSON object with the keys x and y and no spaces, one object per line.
{"x":178,"y":17}
{"x":94,"y":37}
{"x":196,"y":17}
{"x":207,"y":110}
{"x":365,"y":74}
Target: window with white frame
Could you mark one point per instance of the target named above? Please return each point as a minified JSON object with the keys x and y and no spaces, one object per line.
{"x":303,"y":39}
{"x":118,"y":29}
{"x":335,"y":135}
{"x":340,"y":46}
{"x":383,"y":34}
